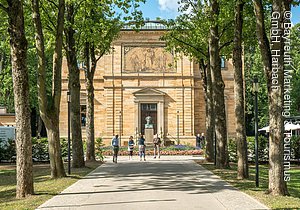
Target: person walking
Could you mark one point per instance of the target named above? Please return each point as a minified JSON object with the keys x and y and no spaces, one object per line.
{"x":130,"y":147}
{"x":156,"y":143}
{"x":198,"y":140}
{"x":115,"y":145}
{"x":142,"y":148}
{"x":202,"y":140}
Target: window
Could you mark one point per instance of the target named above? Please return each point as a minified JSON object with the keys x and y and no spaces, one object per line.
{"x":149,"y":107}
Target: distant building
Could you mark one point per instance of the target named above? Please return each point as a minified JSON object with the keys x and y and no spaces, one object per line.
{"x":140,"y":78}
{"x":7,"y":119}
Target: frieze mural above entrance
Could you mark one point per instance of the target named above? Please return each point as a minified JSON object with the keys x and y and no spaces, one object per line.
{"x":147,"y":58}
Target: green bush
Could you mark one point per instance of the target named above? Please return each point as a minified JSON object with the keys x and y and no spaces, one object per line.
{"x":99,"y":149}
{"x":232,"y":150}
{"x":263,"y":149}
{"x":295,"y":147}
{"x":8,"y":150}
{"x":64,"y":147}
{"x":178,"y":147}
{"x":40,"y":150}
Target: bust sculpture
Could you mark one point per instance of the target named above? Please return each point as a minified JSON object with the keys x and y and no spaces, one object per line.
{"x":148,"y":120}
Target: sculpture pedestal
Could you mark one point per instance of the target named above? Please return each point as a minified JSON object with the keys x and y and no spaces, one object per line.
{"x":149,"y":133}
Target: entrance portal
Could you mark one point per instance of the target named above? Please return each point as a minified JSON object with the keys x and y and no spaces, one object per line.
{"x":148,"y":110}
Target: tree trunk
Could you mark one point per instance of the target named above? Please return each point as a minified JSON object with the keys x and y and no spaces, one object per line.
{"x":209,"y":110}
{"x":56,"y":163}
{"x":74,"y":87}
{"x":89,"y":82}
{"x":241,"y":141}
{"x":277,"y":186}
{"x":18,"y":44}
{"x":49,"y":110}
{"x":218,"y":89}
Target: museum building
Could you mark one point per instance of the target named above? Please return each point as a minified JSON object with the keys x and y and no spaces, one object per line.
{"x":139,"y":78}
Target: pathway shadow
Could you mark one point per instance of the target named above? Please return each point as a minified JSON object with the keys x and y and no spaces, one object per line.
{"x":159,"y":175}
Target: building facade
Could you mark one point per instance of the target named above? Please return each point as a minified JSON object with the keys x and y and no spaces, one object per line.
{"x":139,"y":78}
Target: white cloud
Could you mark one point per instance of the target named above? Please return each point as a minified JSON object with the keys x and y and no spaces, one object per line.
{"x":168,"y":5}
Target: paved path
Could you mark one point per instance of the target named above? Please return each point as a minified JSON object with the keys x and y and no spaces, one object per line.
{"x":168,"y":183}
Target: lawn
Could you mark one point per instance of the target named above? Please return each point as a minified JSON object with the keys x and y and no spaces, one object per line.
{"x":44,"y":186}
{"x":248,"y":186}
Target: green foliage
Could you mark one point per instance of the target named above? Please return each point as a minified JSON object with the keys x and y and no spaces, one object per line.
{"x":6,"y":85}
{"x":189,"y":32}
{"x":295,"y":147}
{"x":295,"y":53}
{"x":99,"y":23}
{"x":232,"y":150}
{"x":179,"y":147}
{"x":99,"y":149}
{"x":64,"y":147}
{"x":8,"y":150}
{"x":263,"y":149}
{"x":254,"y":67}
{"x":40,"y":149}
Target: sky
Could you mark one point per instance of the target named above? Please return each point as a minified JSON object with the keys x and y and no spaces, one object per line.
{"x":167,"y":9}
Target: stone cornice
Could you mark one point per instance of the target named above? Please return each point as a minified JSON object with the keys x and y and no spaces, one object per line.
{"x":150,"y":76}
{"x":159,"y":87}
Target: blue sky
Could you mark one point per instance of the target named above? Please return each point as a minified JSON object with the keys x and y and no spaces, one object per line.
{"x":167,"y":9}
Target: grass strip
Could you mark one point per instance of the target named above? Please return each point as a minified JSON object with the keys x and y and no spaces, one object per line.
{"x":260,"y":193}
{"x":44,"y":187}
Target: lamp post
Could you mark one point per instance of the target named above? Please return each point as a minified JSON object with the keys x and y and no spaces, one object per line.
{"x":120,"y":125}
{"x":215,"y":148}
{"x":255,"y":89}
{"x":178,"y":127}
{"x":69,"y":129}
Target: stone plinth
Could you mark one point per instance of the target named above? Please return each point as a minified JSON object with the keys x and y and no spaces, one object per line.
{"x":149,"y":133}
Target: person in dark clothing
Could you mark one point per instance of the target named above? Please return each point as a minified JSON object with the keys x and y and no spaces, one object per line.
{"x":142,"y":148}
{"x":156,"y":144}
{"x":198,"y":140}
{"x":202,"y":140}
{"x":130,"y":147}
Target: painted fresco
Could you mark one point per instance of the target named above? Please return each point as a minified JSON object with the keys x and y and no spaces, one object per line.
{"x":147,"y":59}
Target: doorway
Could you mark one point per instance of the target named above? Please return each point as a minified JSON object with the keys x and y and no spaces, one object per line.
{"x":149,"y":109}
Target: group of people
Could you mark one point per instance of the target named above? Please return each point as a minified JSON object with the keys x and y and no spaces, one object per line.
{"x":141,"y":145}
{"x":200,"y":141}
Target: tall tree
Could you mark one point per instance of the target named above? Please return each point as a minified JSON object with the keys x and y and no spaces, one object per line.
{"x":109,"y":31}
{"x":18,"y":43}
{"x":96,"y":25}
{"x":74,"y":87}
{"x":242,"y":171}
{"x":50,"y":104}
{"x":187,"y":35}
{"x":218,"y":87}
{"x":277,"y":186}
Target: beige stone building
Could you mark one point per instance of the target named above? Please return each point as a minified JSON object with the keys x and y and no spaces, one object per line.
{"x":140,"y":78}
{"x":7,"y":119}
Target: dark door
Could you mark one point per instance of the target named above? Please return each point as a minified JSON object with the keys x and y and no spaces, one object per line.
{"x":148,"y":110}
